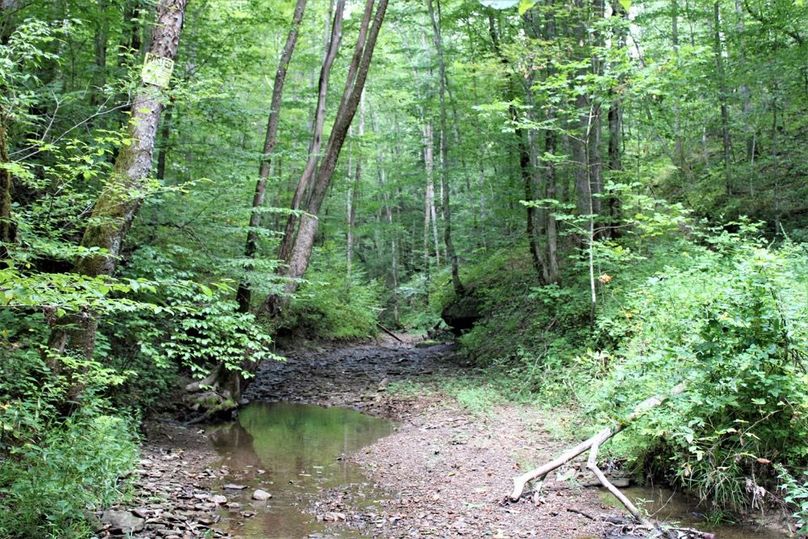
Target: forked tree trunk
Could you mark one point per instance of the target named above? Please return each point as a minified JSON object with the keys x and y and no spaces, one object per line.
{"x":244,"y":291}
{"x":317,"y":133}
{"x":121,"y":198}
{"x":301,"y":247}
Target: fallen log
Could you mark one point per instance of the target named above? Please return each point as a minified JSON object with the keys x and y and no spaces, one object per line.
{"x":593,"y":445}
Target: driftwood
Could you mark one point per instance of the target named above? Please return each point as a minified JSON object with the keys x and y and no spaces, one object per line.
{"x":593,"y":445}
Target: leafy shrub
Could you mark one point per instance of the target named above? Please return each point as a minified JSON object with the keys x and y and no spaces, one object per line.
{"x":189,"y":325}
{"x":47,"y":489}
{"x":796,"y":495}
{"x":732,"y":325}
{"x":331,"y":305}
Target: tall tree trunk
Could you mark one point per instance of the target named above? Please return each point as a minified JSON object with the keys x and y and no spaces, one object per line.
{"x":723,"y":96}
{"x":306,"y":177}
{"x":435,"y":17}
{"x":300,"y":253}
{"x":7,"y":228}
{"x":525,"y":168}
{"x":388,"y":210}
{"x":430,"y":214}
{"x":353,"y":191}
{"x":121,"y":198}
{"x":615,"y":119}
{"x":99,"y":79}
{"x":244,"y":291}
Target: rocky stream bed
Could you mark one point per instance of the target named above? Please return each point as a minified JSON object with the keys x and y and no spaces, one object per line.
{"x":426,"y":468}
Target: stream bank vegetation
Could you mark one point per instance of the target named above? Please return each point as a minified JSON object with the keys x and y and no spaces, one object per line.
{"x":604,"y":199}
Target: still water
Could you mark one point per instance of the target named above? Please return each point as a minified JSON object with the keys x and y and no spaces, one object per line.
{"x":673,"y":507}
{"x":292,"y":451}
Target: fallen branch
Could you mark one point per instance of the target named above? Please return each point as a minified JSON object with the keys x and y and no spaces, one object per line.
{"x":393,"y":335}
{"x":593,"y":445}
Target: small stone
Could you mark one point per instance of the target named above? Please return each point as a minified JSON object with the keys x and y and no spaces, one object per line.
{"x":233,"y":486}
{"x":261,"y":495}
{"x":218,"y":499}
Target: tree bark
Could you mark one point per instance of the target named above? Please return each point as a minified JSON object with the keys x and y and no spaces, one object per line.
{"x":244,"y":291}
{"x":116,"y":207}
{"x":300,"y":252}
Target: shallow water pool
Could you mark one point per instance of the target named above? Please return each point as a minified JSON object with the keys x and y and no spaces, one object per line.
{"x":293,"y":451}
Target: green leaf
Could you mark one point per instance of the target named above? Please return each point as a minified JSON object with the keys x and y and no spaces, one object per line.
{"x":525,"y":5}
{"x":625,"y":4}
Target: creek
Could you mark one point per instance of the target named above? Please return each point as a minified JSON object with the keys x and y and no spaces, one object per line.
{"x":292,"y":451}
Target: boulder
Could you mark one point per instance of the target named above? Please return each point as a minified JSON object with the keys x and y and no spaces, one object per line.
{"x":462,"y":312}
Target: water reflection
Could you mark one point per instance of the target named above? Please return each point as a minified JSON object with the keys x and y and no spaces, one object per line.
{"x":292,"y":451}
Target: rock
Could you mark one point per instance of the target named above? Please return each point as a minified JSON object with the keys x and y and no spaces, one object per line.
{"x":462,"y":312}
{"x":261,"y":495}
{"x":122,"y":520}
{"x":218,"y":499}
{"x":233,"y":486}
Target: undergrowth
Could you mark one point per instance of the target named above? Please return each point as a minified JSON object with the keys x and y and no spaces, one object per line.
{"x":717,"y":309}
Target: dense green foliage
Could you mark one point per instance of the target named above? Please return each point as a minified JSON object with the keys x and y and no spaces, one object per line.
{"x":618,"y":188}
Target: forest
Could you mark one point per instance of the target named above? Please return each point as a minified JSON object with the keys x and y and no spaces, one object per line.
{"x":595,"y":202}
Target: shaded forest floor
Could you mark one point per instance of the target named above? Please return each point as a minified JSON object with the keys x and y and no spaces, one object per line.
{"x":445,"y":470}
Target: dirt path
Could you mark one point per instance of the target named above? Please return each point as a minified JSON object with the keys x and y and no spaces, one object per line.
{"x":445,"y":471}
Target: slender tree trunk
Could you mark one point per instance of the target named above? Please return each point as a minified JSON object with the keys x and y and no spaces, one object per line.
{"x":430,"y":213}
{"x":388,"y":210}
{"x":120,"y":200}
{"x":353,"y":191}
{"x":317,"y":134}
{"x":527,"y":164}
{"x":99,"y":79}
{"x":722,"y":96}
{"x":435,"y":17}
{"x":300,"y":253}
{"x":244,"y":291}
{"x":7,"y":228}
{"x":615,"y":119}
{"x":553,"y":271}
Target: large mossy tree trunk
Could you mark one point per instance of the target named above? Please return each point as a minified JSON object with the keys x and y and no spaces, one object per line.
{"x":120,"y":200}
